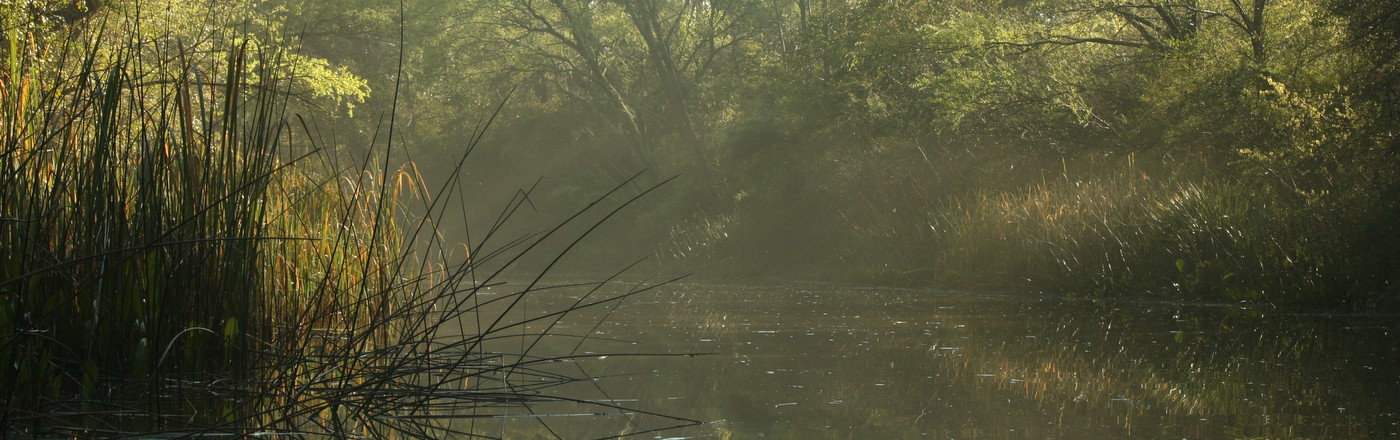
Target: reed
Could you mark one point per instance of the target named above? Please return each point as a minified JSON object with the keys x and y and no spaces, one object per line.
{"x":179,"y":255}
{"x":1121,"y":228}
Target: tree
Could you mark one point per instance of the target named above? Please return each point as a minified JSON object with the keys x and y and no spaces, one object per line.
{"x":684,"y":42}
{"x":63,"y":12}
{"x":1373,"y":31}
{"x":642,"y":65}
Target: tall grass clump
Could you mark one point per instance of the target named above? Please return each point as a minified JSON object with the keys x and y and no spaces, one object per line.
{"x":136,"y":204}
{"x":179,"y":257}
{"x":1122,"y":231}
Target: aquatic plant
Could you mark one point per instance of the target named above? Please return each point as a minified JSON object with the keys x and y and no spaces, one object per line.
{"x":1132,"y":230}
{"x":181,"y":255}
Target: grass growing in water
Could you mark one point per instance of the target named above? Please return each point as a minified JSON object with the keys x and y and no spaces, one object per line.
{"x":178,"y":257}
{"x":1123,"y":231}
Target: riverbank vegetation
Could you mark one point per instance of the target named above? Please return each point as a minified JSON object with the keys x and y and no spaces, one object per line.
{"x":1217,"y":150}
{"x":186,"y":250}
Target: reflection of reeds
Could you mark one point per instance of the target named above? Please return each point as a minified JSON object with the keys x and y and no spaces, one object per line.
{"x":1252,"y":380}
{"x":170,"y":264}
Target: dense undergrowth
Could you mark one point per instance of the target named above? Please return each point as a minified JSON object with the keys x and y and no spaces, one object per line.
{"x":1156,"y":225}
{"x":1212,"y":239}
{"x":182,"y":255}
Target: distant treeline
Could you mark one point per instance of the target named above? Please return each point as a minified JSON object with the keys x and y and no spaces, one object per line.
{"x":1218,"y":150}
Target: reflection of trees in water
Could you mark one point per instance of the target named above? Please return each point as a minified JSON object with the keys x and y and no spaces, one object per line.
{"x":838,"y":363}
{"x":1217,"y":373}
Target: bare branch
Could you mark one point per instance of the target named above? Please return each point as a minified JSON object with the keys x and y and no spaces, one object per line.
{"x":1071,"y":41}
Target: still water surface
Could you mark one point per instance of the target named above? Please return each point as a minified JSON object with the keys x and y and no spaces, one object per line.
{"x":793,"y":361}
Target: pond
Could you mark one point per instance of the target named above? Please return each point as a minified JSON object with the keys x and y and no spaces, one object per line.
{"x":807,"y":361}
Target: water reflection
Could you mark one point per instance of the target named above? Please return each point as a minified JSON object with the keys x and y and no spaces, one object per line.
{"x":814,"y":362}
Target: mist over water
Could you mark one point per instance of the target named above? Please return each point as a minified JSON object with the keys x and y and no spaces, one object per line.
{"x":794,"y":361}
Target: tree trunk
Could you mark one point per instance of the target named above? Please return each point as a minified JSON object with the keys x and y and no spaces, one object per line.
{"x":676,"y":88}
{"x":1251,"y":21}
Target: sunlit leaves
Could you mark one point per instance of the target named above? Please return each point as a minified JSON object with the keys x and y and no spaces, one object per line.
{"x":337,"y":84}
{"x":196,"y":34}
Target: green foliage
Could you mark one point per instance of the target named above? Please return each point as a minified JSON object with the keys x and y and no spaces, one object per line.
{"x":826,"y":138}
{"x":201,"y":32}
